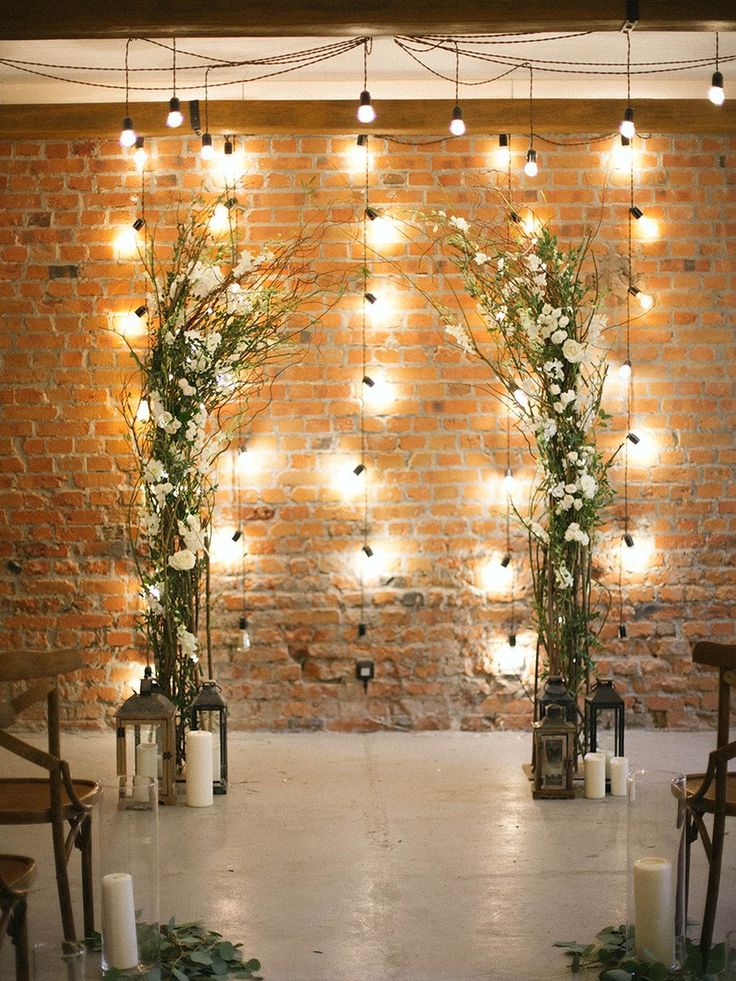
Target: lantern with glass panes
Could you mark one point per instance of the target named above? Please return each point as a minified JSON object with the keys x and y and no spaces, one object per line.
{"x":604,"y":720}
{"x":209,"y":712}
{"x":149,"y":717}
{"x":554,"y":754}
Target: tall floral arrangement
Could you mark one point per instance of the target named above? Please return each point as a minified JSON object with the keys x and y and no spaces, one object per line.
{"x":220,"y":321}
{"x":538,"y":329}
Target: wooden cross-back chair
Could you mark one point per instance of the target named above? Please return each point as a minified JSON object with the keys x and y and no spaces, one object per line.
{"x":16,"y":876}
{"x":55,"y":798}
{"x":713,"y":792}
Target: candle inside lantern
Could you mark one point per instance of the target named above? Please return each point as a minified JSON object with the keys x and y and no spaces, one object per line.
{"x":654,"y":919}
{"x":119,"y":941}
{"x":594,"y":772}
{"x":619,"y":775}
{"x":146,"y":760}
{"x":199,"y":768}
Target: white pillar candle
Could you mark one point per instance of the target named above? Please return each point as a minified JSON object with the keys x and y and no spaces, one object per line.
{"x":594,"y":772}
{"x":199,"y":768}
{"x":619,"y":775}
{"x":654,"y":916}
{"x":141,"y":792}
{"x":146,"y":760}
{"x":119,"y":941}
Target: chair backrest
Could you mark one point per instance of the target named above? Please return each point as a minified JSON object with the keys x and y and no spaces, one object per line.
{"x":42,"y":669}
{"x":723,"y":657}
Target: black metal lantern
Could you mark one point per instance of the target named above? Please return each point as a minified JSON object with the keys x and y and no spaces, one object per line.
{"x":554,"y":752}
{"x":555,"y":693}
{"x":149,"y":717}
{"x":209,"y":712}
{"x":604,"y":720}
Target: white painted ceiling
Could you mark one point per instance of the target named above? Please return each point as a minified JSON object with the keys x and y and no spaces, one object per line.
{"x":559,"y":69}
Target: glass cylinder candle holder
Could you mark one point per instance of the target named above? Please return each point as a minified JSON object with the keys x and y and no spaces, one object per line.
{"x":129,"y":878}
{"x":64,"y":961}
{"x":655,"y":867}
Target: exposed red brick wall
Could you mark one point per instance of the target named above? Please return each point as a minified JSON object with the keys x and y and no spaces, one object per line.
{"x":67,"y":577}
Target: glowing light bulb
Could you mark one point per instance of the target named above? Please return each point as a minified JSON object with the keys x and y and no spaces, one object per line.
{"x":624,"y":370}
{"x":521,"y":398}
{"x":622,"y":153}
{"x":366,"y":112}
{"x":382,"y":231}
{"x":645,"y":300}
{"x":497,"y":577}
{"x":244,"y":634}
{"x":130,"y":325}
{"x":649,"y":227}
{"x":220,"y":220}
{"x":530,"y":167}
{"x":457,"y":125}
{"x":715,"y":93}
{"x":175,"y":118}
{"x":503,"y":152}
{"x":140,"y":156}
{"x":626,"y":127}
{"x":144,"y":412}
{"x":127,"y":134}
{"x":208,"y":151}
{"x":508,"y":481}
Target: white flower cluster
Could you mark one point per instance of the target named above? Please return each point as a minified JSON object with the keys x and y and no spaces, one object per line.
{"x":192,"y":533}
{"x":187,"y":642}
{"x":161,"y":416}
{"x":574,"y":533}
{"x":459,"y":334}
{"x":537,"y":269}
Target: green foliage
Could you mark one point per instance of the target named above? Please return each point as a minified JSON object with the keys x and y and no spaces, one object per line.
{"x":609,"y":951}
{"x":190,"y":952}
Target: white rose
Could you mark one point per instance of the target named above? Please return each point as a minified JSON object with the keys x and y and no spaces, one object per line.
{"x":186,"y":388}
{"x":588,"y":485}
{"x":182,"y":560}
{"x":558,"y":337}
{"x":573,"y":351}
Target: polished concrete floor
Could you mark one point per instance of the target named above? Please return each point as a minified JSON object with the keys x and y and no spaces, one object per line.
{"x":390,"y":856}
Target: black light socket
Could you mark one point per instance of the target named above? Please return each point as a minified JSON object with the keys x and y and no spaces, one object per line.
{"x":504,"y":140}
{"x":367,"y":380}
{"x":238,"y":535}
{"x":622,"y":632}
{"x":371,"y":213}
{"x":506,"y":561}
{"x":370,"y":297}
{"x":362,"y":629}
{"x":367,"y":550}
{"x":628,"y":540}
{"x":633,"y":438}
{"x":359,"y":469}
{"x":636,"y":212}
{"x":139,"y":223}
{"x":141,"y":310}
{"x":243,"y":622}
{"x":362,"y":140}
{"x":512,"y":640}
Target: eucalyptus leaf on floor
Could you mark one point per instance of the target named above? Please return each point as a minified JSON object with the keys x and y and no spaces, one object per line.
{"x":190,"y":952}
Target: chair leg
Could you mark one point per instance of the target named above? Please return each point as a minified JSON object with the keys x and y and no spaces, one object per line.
{"x":62,"y":881}
{"x":84,"y":843}
{"x":18,"y":930}
{"x":714,"y":880}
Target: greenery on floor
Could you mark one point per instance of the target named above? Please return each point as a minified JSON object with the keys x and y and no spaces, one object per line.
{"x":609,"y":952}
{"x":190,"y":952}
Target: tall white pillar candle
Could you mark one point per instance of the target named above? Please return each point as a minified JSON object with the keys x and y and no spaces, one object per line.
{"x":594,"y":773}
{"x":199,"y":768}
{"x":619,"y":776}
{"x":146,"y":760}
{"x":119,"y":941}
{"x":654,"y":916}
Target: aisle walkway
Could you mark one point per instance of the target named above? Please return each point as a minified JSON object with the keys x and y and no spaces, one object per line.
{"x":391,"y":857}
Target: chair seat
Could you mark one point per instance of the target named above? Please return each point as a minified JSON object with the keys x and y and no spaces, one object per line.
{"x":17,"y":872}
{"x":707,"y":802}
{"x":26,"y":800}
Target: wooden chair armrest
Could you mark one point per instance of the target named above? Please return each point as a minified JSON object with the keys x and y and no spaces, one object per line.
{"x":32,"y":694}
{"x":721,"y":755}
{"x":69,"y":786}
{"x":30,"y":753}
{"x":24,"y":665}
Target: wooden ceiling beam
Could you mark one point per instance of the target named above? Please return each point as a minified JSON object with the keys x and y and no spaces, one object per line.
{"x":397,"y":116}
{"x":37,"y":19}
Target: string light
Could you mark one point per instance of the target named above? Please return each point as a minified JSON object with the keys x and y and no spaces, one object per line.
{"x":244,"y":633}
{"x":531,"y":168}
{"x":366,"y":112}
{"x":140,"y":155}
{"x":127,"y":134}
{"x":207,"y":151}
{"x":457,"y":123}
{"x":715,"y":93}
{"x":175,"y":118}
{"x":503,"y":151}
{"x":645,"y":300}
{"x":626,"y":127}
{"x":625,"y":370}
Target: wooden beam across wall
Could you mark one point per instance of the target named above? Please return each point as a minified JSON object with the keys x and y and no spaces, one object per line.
{"x":37,"y":19}
{"x":397,"y":116}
